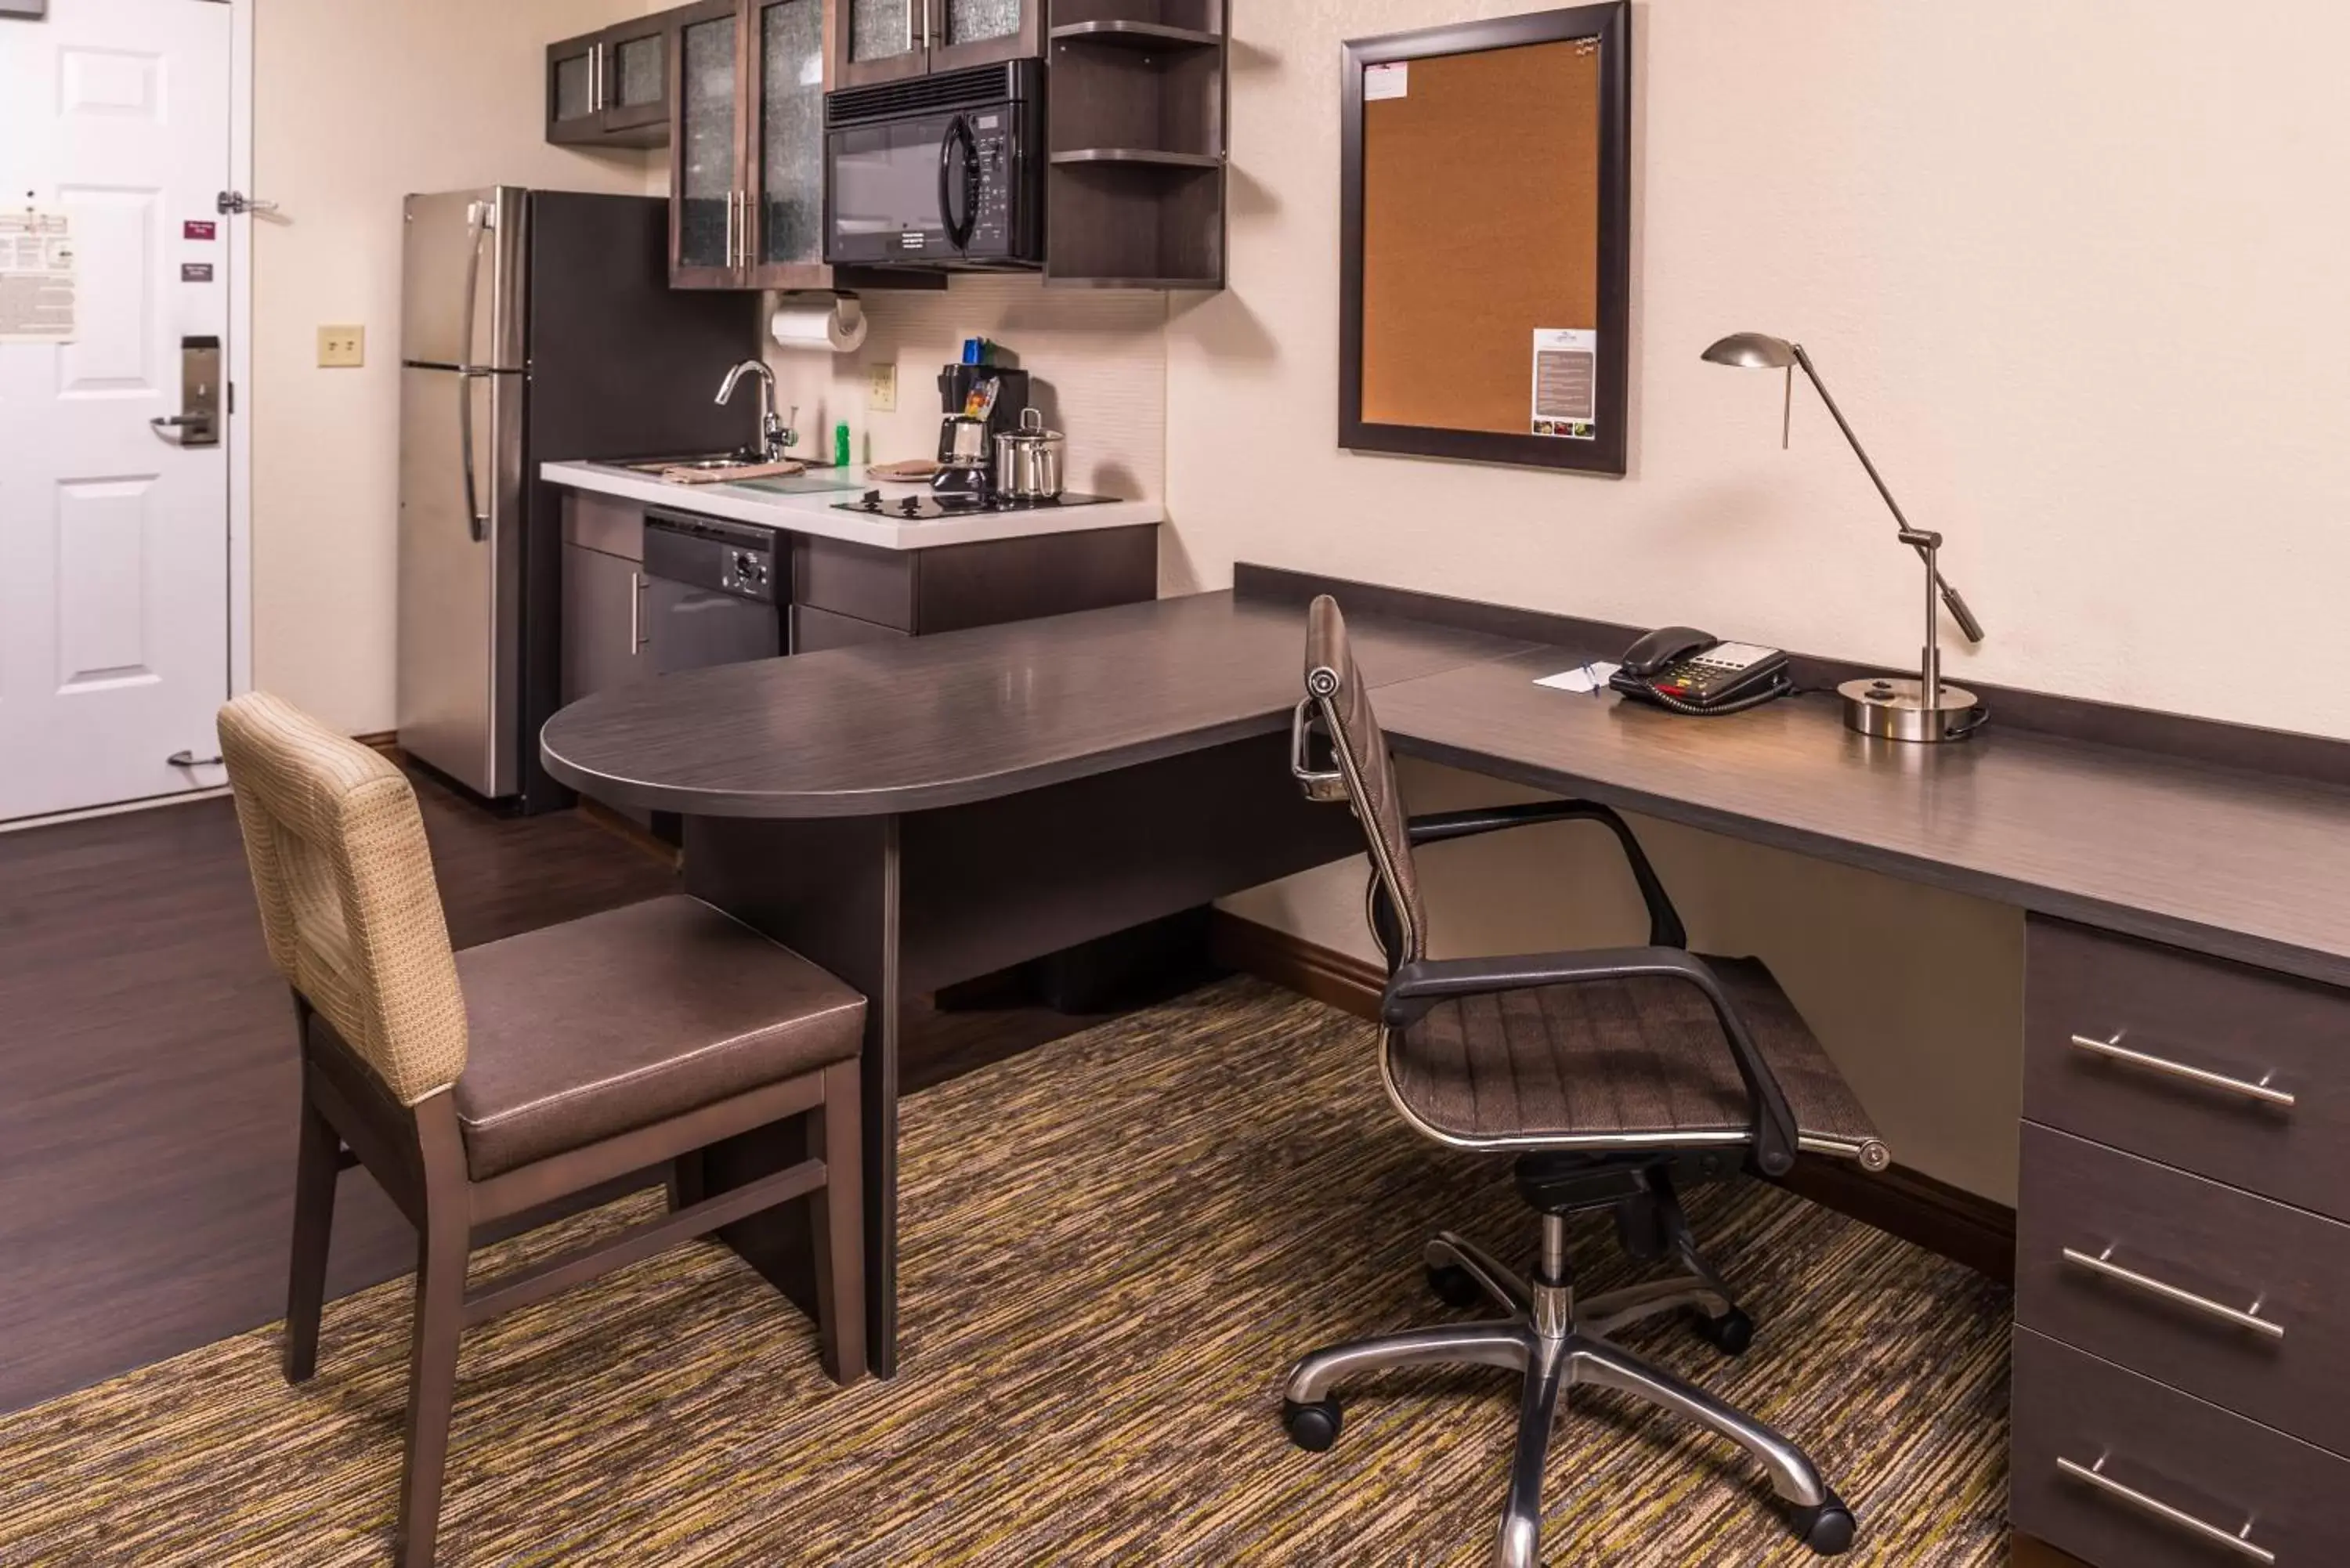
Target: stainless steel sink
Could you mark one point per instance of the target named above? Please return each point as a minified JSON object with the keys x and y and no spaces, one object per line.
{"x":700,"y":464}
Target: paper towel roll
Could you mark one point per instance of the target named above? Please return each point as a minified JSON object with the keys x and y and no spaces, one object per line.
{"x":836,"y":326}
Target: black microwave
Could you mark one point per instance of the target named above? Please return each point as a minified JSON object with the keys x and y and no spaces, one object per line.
{"x":938,"y":172}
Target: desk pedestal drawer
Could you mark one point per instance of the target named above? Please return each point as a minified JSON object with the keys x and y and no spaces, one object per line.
{"x":2203,"y":1064}
{"x":2229,"y":1297}
{"x":2173,"y":1481}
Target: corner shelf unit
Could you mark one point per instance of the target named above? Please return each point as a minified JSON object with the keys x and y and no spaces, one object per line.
{"x":1139,"y":102}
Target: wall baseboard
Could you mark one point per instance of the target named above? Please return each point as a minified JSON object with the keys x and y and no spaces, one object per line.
{"x":1945,"y":1220}
{"x":384,"y":740}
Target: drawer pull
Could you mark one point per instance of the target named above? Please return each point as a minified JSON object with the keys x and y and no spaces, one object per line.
{"x":2116,"y":1051}
{"x":2102,"y":1264}
{"x":2239,"y":1541}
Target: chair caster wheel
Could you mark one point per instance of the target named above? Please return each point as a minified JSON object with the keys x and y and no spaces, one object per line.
{"x":1826,"y":1529}
{"x":1730,"y":1333}
{"x":1455,"y":1287}
{"x":1313,"y":1426}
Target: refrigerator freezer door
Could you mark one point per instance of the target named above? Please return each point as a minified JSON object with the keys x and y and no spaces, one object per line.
{"x":460,"y":596}
{"x":462,"y":283}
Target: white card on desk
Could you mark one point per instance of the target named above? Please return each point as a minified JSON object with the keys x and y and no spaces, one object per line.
{"x":1582,"y":678}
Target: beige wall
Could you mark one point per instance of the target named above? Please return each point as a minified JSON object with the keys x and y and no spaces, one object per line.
{"x":2065,"y":267}
{"x":356,"y":106}
{"x":1099,"y":357}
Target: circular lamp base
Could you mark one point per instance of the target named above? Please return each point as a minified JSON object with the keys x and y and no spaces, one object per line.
{"x":1895,"y":711}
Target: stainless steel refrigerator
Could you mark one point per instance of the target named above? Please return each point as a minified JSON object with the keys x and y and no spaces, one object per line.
{"x":535,"y":326}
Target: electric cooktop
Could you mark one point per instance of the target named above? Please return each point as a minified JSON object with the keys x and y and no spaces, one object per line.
{"x":924,"y":508}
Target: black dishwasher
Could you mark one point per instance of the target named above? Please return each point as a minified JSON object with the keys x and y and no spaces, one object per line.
{"x":711,"y":592}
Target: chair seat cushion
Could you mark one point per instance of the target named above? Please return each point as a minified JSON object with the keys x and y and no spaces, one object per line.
{"x":587,"y":1030}
{"x":1619,"y":1058}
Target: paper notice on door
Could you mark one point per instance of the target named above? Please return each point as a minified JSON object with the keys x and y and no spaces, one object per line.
{"x":1387,"y":81}
{"x":1566,"y":382}
{"x":36,"y":278}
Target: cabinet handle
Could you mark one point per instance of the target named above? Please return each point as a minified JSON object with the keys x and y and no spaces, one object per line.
{"x":2102,"y":1263}
{"x":594,"y":78}
{"x":635,"y":613}
{"x":923,"y":8}
{"x":2115,"y":1050}
{"x":2239,"y":1541}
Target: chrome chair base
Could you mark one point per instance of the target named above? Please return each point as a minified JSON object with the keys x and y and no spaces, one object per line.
{"x":1556,"y":1342}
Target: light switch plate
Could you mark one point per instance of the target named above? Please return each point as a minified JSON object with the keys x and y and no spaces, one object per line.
{"x":882,"y":387}
{"x":342,"y":348}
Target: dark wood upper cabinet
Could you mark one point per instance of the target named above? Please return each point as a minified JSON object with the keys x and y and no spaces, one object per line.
{"x":746,"y":154}
{"x":887,"y":40}
{"x":611,"y":89}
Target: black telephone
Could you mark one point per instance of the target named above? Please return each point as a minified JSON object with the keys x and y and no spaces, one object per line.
{"x":1692,"y":672}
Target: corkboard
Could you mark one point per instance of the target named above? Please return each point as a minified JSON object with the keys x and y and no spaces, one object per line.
{"x":1481,"y":214}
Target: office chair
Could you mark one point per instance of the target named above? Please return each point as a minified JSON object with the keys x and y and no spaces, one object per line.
{"x":1613,"y":1076}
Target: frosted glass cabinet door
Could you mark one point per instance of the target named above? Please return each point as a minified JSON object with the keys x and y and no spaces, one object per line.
{"x":708,"y":217}
{"x":978,"y":21}
{"x":885,"y":30}
{"x":791,"y":132}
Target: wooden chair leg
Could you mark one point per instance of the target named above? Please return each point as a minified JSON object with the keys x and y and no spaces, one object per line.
{"x":686,"y":1186}
{"x":441,"y":1251}
{"x":315,"y":1170}
{"x":432,"y":1391}
{"x":837,"y":1229}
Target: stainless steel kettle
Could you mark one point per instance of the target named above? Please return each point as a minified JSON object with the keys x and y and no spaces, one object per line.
{"x":1031,"y":463}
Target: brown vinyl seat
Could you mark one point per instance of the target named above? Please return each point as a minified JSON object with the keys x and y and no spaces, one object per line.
{"x":585,"y":1030}
{"x":481,"y":1086}
{"x":1613,"y":1076}
{"x":1611,"y":1059}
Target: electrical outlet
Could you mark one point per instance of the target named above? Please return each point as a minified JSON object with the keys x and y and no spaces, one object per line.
{"x":882,"y":387}
{"x":342,"y":348}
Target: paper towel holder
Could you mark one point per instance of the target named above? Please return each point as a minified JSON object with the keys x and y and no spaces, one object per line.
{"x":843,"y":330}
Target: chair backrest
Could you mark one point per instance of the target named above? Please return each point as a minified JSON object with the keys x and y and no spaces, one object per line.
{"x":1334,"y":686}
{"x":349,"y":903}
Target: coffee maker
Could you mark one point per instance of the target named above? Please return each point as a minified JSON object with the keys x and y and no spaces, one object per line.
{"x":967,"y":446}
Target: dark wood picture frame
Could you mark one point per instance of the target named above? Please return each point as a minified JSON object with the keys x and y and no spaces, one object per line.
{"x":1607,"y":452}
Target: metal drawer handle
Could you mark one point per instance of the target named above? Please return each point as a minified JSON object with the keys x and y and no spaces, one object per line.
{"x":2102,"y":1263}
{"x":2239,"y":1541}
{"x":2115,"y":1049}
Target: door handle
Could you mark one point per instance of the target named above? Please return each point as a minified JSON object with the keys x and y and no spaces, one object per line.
{"x":198,"y":429}
{"x":635,"y":613}
{"x":958,"y":135}
{"x":477,"y":522}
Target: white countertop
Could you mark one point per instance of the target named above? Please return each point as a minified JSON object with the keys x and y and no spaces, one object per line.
{"x":814,"y":513}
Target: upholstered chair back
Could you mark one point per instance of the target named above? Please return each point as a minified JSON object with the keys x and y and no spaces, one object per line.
{"x":348,"y":899}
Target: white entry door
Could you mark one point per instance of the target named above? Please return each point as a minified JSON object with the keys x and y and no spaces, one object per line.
{"x":114,"y":539}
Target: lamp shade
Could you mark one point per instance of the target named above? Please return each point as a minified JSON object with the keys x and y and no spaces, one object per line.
{"x":1752,"y":351}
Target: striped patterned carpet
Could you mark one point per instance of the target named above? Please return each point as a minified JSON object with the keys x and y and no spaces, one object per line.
{"x":1113,"y":1246}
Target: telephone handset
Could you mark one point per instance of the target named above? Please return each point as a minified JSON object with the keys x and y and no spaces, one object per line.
{"x":1692,"y":672}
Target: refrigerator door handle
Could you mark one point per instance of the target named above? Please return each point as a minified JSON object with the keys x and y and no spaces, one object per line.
{"x":476,"y":520}
{"x":479,"y":217}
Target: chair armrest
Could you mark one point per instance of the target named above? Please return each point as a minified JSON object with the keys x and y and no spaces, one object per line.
{"x":1417,"y":986}
{"x":1665,"y":928}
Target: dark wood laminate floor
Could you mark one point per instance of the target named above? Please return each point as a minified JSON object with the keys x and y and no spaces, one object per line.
{"x":147,"y":1089}
{"x":147,"y":1119}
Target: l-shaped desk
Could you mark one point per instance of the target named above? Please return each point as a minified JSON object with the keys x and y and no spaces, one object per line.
{"x":913,"y":815}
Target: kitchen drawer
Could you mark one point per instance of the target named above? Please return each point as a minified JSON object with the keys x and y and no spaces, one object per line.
{"x":815,"y":630}
{"x":599,"y":523}
{"x":2174,"y":1451}
{"x":2223,"y":1247}
{"x":2247,"y":1027}
{"x":855,"y":581}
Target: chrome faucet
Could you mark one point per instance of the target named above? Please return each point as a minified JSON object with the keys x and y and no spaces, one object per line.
{"x":776,"y":437}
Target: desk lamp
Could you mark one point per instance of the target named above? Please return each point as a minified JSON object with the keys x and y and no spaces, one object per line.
{"x":1926,"y":708}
